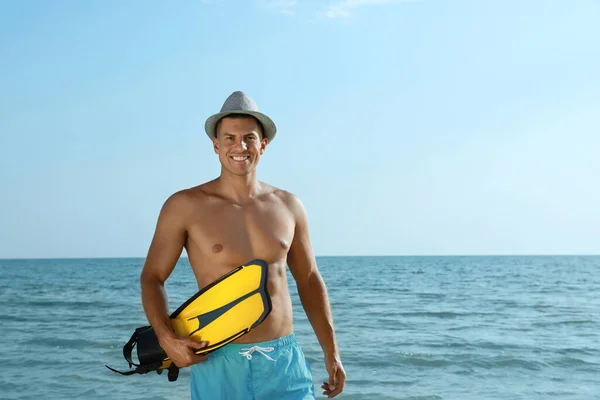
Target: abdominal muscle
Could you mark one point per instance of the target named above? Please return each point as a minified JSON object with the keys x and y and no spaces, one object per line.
{"x":280,"y":321}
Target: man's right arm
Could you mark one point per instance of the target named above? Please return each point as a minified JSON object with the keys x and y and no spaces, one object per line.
{"x":165,"y":249}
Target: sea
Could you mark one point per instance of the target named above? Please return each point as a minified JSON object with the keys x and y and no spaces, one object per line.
{"x":473,"y":327}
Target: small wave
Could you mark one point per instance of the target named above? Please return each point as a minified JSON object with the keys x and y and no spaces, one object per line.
{"x":9,"y":386}
{"x":435,"y":314}
{"x":577,"y":322}
{"x":371,"y":395}
{"x":542,"y":306}
{"x":63,"y":343}
{"x":449,"y":344}
{"x":417,"y":361}
{"x":566,"y":322}
{"x":436,"y":296}
{"x":499,"y":346}
{"x":459,"y":328}
{"x":13,"y":318}
{"x":569,"y":362}
{"x":552,"y":394}
{"x":507,"y":303}
{"x":90,"y":393}
{"x":582,"y":350}
{"x":406,"y":359}
{"x":503,"y":362}
{"x":393,"y":382}
{"x":67,"y":304}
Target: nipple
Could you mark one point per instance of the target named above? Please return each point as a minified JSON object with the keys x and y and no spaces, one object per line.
{"x":217,"y":248}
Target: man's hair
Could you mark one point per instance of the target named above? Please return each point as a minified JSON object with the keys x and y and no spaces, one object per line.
{"x":239,"y":115}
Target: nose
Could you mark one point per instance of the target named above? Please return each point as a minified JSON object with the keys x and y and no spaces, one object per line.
{"x":241,"y":144}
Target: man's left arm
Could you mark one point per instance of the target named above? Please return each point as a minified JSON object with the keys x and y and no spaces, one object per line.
{"x":313,"y":295}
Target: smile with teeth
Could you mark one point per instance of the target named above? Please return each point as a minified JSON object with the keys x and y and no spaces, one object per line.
{"x":240,"y":158}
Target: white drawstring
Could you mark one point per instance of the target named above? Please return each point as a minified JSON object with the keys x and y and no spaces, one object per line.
{"x":248,"y":352}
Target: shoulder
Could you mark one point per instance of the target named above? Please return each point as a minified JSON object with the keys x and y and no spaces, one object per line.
{"x":182,"y":202}
{"x":291,"y":201}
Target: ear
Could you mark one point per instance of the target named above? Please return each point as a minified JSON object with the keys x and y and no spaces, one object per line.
{"x":215,"y":145}
{"x":263,"y":145}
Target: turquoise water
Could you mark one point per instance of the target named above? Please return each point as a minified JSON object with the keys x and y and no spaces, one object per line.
{"x":408,"y":327}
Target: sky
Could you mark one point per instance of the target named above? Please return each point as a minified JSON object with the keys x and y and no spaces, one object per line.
{"x":423,"y":127}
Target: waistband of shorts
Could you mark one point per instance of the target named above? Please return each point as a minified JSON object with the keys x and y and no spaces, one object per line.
{"x":276,"y":344}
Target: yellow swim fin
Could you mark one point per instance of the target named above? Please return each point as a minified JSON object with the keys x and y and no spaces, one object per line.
{"x":221,"y":312}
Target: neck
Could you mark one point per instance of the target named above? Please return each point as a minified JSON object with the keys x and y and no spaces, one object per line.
{"x":238,"y":188}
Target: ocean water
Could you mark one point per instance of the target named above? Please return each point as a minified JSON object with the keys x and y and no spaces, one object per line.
{"x":408,"y":328}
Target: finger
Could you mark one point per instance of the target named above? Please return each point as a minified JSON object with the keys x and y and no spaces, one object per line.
{"x":195,"y":344}
{"x":332,"y":378}
{"x":328,"y":392}
{"x":332,"y":391}
{"x":197,"y":355}
{"x":193,"y":347}
{"x":197,"y":358}
{"x":341,"y":380}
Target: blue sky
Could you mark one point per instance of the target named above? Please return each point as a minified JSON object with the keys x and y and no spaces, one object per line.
{"x":406,"y":127}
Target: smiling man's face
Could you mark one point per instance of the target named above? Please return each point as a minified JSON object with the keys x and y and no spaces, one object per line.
{"x":239,"y":144}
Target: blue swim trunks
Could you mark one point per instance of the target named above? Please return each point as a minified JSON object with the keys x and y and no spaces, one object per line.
{"x":275,"y":369}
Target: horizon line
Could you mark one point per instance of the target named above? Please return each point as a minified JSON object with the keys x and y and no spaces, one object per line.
{"x":321,"y":256}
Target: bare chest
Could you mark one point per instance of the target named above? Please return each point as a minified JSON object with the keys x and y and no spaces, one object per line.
{"x":232,"y":235}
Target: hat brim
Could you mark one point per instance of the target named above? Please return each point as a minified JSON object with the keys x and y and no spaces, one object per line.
{"x":268,"y":125}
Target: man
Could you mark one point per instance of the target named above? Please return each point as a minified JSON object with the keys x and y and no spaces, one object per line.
{"x":227,"y":222}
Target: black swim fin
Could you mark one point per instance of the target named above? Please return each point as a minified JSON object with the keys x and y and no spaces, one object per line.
{"x":223,"y":311}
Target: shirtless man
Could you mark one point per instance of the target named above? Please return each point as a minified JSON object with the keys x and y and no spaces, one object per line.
{"x":225,"y":223}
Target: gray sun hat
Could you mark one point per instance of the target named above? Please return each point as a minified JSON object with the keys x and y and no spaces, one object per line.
{"x":240,"y":103}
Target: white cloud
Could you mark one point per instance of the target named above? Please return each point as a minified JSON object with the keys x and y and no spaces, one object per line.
{"x":344,"y":8}
{"x":283,"y":6}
